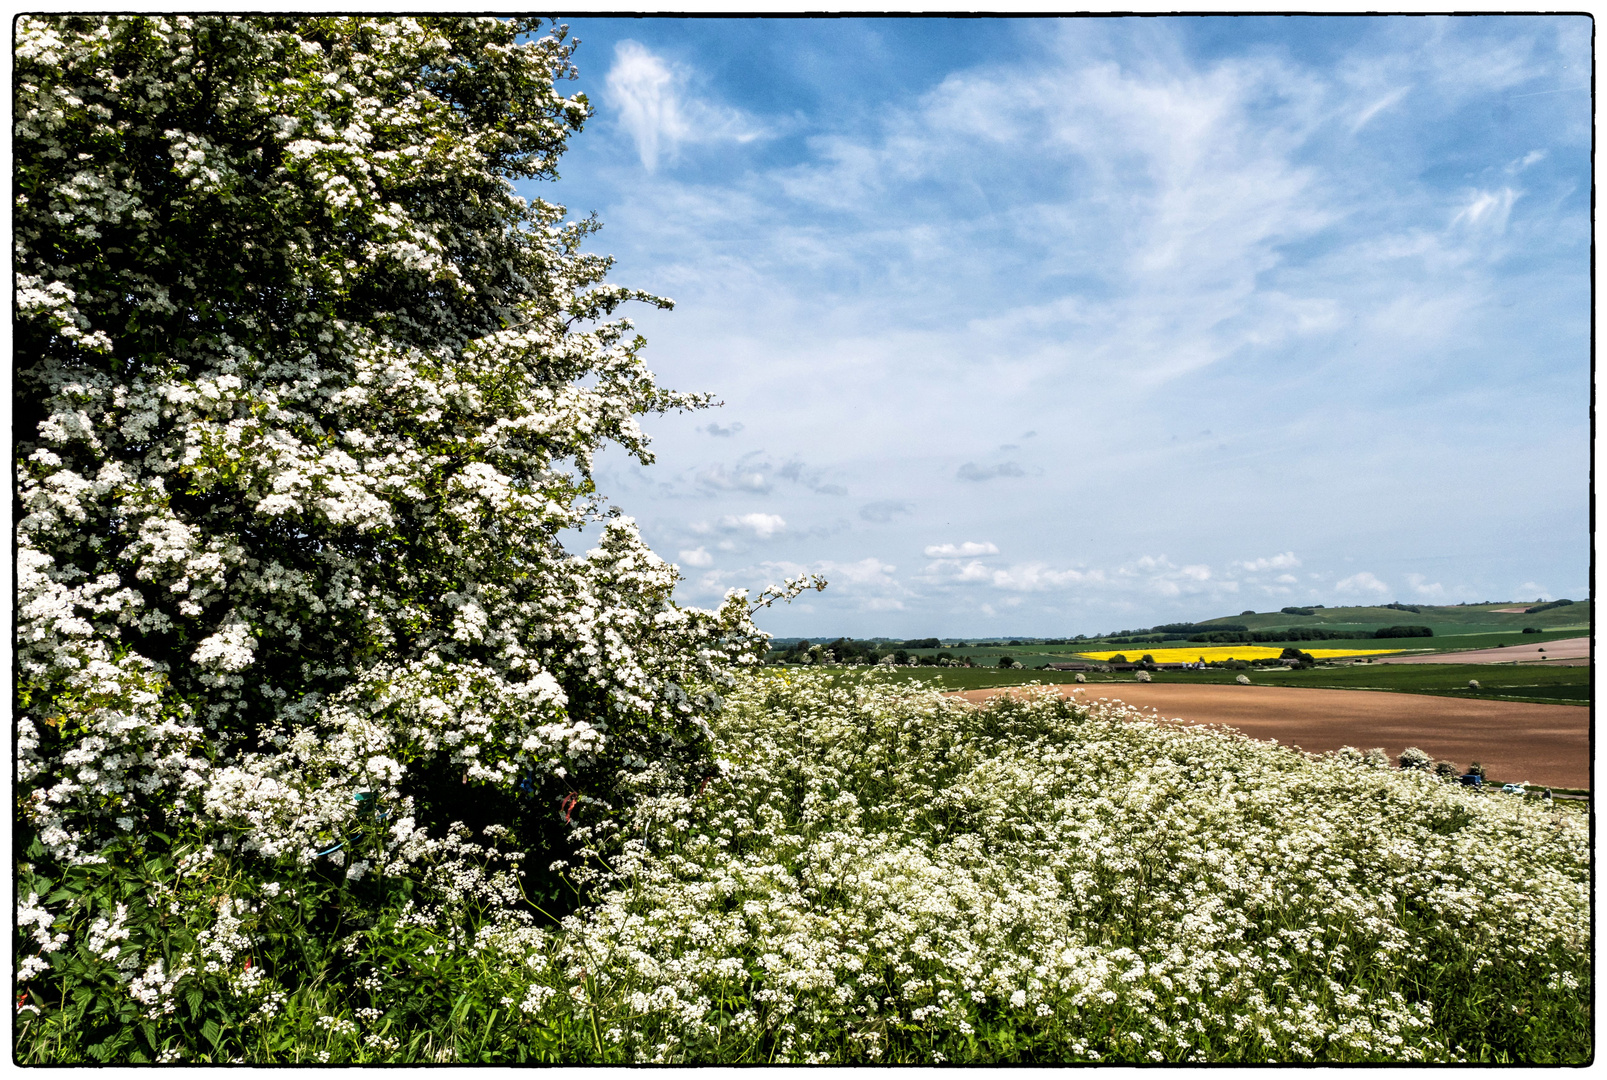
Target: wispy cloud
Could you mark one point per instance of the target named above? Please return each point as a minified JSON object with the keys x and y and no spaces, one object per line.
{"x":972,"y":471}
{"x":1372,"y":110}
{"x":884,"y":510}
{"x":654,"y":106}
{"x":1487,"y":210}
{"x":738,"y":479}
{"x":1335,"y":260}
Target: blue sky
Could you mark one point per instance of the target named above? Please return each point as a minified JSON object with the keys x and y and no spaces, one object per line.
{"x":1058,"y":326}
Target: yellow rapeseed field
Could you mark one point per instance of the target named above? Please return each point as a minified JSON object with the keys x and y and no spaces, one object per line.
{"x":1223,"y":652}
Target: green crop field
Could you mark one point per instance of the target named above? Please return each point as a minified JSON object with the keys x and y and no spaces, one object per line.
{"x":1034,"y":655}
{"x":1547,"y":685}
{"x":1443,"y":620}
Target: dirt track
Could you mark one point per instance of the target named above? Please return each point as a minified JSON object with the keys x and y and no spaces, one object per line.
{"x":1564,"y":652}
{"x":1543,"y":744}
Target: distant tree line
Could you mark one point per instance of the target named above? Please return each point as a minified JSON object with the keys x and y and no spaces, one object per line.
{"x":1547,"y":607}
{"x":1311,"y":633}
{"x":847,"y":651}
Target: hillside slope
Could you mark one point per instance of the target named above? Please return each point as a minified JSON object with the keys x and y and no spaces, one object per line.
{"x":1442,"y":619}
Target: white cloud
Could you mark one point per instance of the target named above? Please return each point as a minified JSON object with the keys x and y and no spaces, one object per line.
{"x":1361,"y":583}
{"x":698,"y":556}
{"x":720,"y":478}
{"x":656,"y":111}
{"x":764,"y":526}
{"x":1286,"y":561}
{"x":961,"y":551}
{"x":869,"y":571}
{"x":722,"y":432}
{"x":1541,"y":593}
{"x":1035,"y":577}
{"x":864,"y":572}
{"x":1425,"y":588}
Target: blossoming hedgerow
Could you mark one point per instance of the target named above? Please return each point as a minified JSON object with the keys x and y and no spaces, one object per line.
{"x":305,"y":397}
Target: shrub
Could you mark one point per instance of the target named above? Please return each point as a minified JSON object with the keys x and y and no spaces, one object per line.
{"x":1547,"y":607}
{"x":1142,"y":676}
{"x":1473,"y":684}
{"x":1242,"y":680}
{"x":1081,"y":677}
{"x":1447,"y":769}
{"x":1413,"y":758}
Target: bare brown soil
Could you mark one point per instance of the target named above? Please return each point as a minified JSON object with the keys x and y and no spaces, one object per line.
{"x":1543,"y":744}
{"x":1572,"y":652}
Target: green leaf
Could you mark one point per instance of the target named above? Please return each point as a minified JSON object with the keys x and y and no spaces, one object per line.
{"x":193,"y":1000}
{"x":212,"y":1033}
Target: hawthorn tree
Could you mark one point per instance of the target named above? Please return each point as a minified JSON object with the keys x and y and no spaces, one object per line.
{"x":306,"y":396}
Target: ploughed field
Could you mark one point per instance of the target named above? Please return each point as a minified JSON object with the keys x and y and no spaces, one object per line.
{"x":1515,"y":741}
{"x":1574,"y":651}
